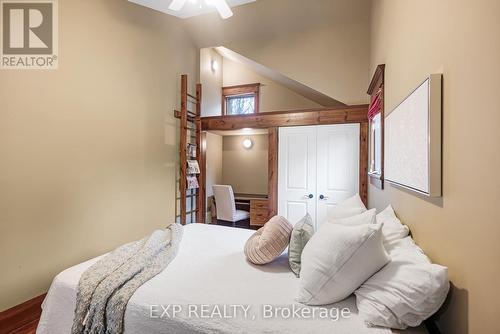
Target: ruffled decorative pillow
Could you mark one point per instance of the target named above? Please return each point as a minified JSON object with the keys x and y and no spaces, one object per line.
{"x":269,"y":241}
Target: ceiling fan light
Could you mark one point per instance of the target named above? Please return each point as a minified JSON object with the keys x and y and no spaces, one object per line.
{"x":223,"y":8}
{"x":177,"y":5}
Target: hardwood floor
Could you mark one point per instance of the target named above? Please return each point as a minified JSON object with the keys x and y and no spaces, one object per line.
{"x":23,"y":318}
{"x":29,"y":328}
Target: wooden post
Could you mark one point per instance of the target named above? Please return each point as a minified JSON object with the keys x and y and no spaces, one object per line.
{"x":273,"y":172}
{"x":183,"y":149}
{"x":200,"y":199}
{"x":363,"y":162}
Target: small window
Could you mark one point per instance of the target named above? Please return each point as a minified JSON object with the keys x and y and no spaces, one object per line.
{"x":240,"y":105}
{"x":376,"y":145}
{"x":240,"y":100}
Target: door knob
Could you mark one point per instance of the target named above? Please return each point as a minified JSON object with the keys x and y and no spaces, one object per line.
{"x":309,"y":196}
{"x":323,"y":197}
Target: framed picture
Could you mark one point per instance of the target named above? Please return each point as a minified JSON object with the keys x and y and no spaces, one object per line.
{"x":192,"y":182}
{"x":193,"y":167}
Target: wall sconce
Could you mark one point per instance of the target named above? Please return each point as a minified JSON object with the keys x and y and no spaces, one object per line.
{"x":214,"y":65}
{"x":247,"y":143}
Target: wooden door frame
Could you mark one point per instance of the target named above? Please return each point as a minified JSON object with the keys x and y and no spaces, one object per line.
{"x":276,"y":119}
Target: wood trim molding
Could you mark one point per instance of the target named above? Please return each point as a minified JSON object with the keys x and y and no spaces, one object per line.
{"x":247,"y":89}
{"x":273,"y":120}
{"x":341,"y":115}
{"x":363,"y":162}
{"x":203,"y":179}
{"x":377,"y":79}
{"x":21,"y":315}
{"x":377,"y":83}
{"x":272,"y":184}
{"x":241,"y":89}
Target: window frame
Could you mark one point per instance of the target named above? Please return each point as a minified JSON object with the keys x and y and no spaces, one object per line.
{"x":241,"y":90}
{"x":377,"y":86}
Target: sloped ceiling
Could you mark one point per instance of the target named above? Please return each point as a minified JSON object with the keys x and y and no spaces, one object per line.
{"x":289,"y":83}
{"x":321,"y":44}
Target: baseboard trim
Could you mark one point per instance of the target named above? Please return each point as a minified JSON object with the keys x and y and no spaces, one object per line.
{"x":21,"y":315}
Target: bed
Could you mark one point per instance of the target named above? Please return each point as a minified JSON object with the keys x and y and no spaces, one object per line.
{"x":209,"y":273}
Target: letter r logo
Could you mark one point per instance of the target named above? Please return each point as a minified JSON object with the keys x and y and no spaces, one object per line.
{"x":27,"y":27}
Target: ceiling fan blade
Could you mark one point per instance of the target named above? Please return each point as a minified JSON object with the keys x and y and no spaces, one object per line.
{"x":177,"y":4}
{"x":223,"y":8}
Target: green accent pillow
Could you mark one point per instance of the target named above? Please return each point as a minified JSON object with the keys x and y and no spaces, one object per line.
{"x":301,"y":233}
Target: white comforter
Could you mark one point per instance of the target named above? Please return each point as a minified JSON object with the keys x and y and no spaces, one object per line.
{"x":210,"y":269}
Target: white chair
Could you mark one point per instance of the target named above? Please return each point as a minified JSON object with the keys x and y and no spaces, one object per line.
{"x":226,"y":206}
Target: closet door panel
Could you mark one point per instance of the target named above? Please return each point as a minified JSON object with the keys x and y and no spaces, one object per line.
{"x":297,"y":172}
{"x":337,"y":166}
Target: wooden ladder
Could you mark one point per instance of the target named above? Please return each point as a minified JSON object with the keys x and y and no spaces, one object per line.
{"x":190,"y":202}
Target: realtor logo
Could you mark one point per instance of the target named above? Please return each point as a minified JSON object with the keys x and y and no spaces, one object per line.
{"x":29,"y":34}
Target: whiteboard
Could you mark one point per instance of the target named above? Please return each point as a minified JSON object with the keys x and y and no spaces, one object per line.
{"x":413,"y":140}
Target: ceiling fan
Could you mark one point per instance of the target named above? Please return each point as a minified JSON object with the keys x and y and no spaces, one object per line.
{"x":221,"y":6}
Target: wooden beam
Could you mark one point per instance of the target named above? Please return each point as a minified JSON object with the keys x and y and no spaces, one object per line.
{"x":272,"y":185}
{"x":21,"y":315}
{"x":377,"y":79}
{"x":341,"y":115}
{"x":183,"y":148}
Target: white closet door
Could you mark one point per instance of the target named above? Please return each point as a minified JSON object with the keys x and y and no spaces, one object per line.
{"x":337,"y":166}
{"x":297,"y":172}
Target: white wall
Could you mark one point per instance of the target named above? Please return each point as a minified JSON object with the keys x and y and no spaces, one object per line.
{"x":211,"y":82}
{"x":245,"y":169}
{"x":273,"y":96}
{"x":460,"y":39}
{"x":214,"y":162}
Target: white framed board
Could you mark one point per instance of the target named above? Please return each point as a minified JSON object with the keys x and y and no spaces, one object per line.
{"x":413,"y":140}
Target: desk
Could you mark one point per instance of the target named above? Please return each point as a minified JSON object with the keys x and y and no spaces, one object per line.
{"x":256,"y":204}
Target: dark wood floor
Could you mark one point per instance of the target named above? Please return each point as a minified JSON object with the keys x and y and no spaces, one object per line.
{"x":29,"y":328}
{"x":22,"y":318}
{"x":241,"y":224}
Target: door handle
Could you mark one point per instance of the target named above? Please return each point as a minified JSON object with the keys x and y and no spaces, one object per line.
{"x":310,"y":196}
{"x":322,"y":197}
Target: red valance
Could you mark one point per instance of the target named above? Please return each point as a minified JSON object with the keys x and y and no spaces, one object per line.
{"x":375,"y":105}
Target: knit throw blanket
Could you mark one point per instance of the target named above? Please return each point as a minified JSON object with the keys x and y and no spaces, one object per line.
{"x":106,"y":287}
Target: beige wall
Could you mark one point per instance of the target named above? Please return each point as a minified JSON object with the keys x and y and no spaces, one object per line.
{"x":461,"y":39}
{"x":211,"y":82}
{"x":214,"y":162}
{"x":88,"y":150}
{"x":245,"y":170}
{"x":325,"y":46}
{"x":273,"y":96}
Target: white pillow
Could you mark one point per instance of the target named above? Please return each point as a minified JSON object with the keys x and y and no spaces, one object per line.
{"x":392,"y":230}
{"x":408,"y":290}
{"x":349,"y":207}
{"x":337,"y":260}
{"x":367,"y":217}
